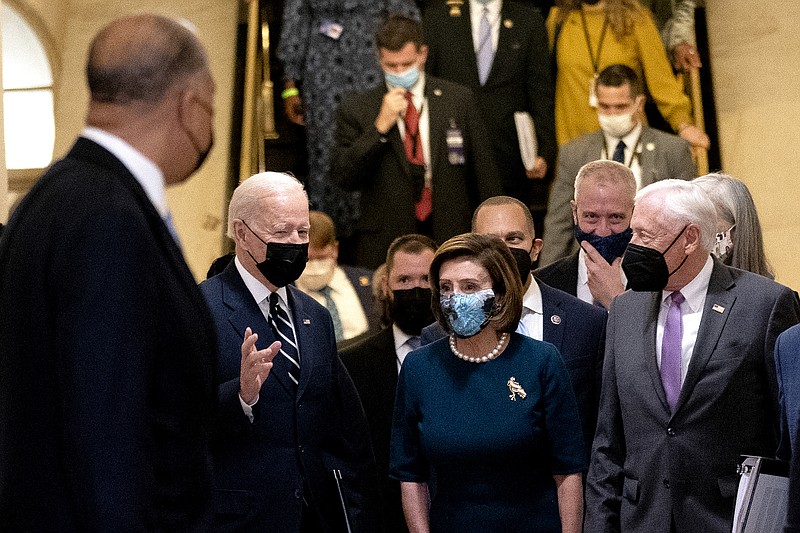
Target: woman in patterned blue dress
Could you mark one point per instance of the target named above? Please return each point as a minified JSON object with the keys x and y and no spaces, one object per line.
{"x":487,"y":416}
{"x":327,"y":48}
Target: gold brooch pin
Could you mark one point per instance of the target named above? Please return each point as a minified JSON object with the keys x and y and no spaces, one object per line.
{"x":515,"y":389}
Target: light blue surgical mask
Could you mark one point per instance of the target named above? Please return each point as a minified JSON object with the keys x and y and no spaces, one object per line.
{"x":468,"y":314}
{"x":405,"y":79}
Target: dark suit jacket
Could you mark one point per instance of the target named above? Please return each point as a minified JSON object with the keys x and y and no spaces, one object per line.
{"x":361,"y":280}
{"x":563,"y":274}
{"x":578,"y":330}
{"x":372,"y":364}
{"x":663,"y":156}
{"x":107,"y":354}
{"x":651,"y":467}
{"x":379,"y":169}
{"x":519,"y":80}
{"x":787,"y":364}
{"x":793,"y":507}
{"x":295,"y":440}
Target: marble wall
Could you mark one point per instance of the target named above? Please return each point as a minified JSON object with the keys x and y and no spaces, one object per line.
{"x":755,"y":58}
{"x":198,"y":205}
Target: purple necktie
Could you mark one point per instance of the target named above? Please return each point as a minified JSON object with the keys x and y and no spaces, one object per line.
{"x":485,"y":47}
{"x":671,"y":350}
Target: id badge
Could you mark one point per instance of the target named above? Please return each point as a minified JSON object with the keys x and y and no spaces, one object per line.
{"x":593,"y":91}
{"x":455,"y":145}
{"x":331,"y":29}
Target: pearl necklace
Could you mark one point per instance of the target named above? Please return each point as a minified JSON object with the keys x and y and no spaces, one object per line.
{"x":488,"y":357}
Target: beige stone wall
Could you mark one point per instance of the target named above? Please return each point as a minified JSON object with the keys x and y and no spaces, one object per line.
{"x":756,"y":60}
{"x":198,"y":206}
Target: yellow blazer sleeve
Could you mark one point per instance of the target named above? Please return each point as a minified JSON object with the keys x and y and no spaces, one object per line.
{"x":661,"y":82}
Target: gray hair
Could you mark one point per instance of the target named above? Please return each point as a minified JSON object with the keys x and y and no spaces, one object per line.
{"x":685,"y":203}
{"x":245,"y":202}
{"x":606,"y":172}
{"x":735,"y":206}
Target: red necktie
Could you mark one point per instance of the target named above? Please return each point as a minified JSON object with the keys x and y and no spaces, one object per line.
{"x":413,"y":146}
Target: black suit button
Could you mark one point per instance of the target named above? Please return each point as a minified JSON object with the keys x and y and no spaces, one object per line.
{"x":298,"y":493}
{"x":670,"y":432}
{"x":666,"y":483}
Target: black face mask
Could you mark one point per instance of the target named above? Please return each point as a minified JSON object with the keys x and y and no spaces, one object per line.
{"x":284,"y":261}
{"x":610,"y":246}
{"x":524,"y":263}
{"x":646,"y":268}
{"x":411,"y":309}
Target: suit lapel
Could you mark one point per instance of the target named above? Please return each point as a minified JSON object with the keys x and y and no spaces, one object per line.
{"x":552,"y":315}
{"x":437,"y":122}
{"x":462,"y":34}
{"x":507,"y":38}
{"x":648,"y":326}
{"x":245,"y":313}
{"x":647,"y":157}
{"x":717,"y":308}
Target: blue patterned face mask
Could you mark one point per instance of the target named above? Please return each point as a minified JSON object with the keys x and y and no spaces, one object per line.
{"x":468,"y":314}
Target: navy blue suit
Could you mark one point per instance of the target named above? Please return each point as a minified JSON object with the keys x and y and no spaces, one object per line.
{"x":787,"y":368}
{"x":578,"y":330}
{"x":263,"y":469}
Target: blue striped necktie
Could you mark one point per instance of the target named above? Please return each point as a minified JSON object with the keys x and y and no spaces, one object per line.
{"x":282,"y":328}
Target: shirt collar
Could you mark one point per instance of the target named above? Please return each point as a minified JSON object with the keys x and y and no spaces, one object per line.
{"x":532,"y":299}
{"x":695,"y":291}
{"x":145,"y":171}
{"x":257,"y":289}
{"x":400,"y":337}
{"x":493,"y":6}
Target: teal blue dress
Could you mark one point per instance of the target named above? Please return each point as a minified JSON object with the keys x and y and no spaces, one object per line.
{"x":488,"y":453}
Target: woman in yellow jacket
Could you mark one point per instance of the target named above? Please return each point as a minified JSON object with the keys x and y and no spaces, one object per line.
{"x":588,"y":35}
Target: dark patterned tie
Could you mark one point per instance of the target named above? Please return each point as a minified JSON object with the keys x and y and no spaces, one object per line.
{"x":282,"y":328}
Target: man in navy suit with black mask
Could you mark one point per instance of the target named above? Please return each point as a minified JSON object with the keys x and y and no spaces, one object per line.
{"x":291,"y":451}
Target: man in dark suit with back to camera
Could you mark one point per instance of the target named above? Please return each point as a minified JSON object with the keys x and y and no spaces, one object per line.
{"x":498,"y":48}
{"x":576,"y":328}
{"x":652,"y":155}
{"x":291,"y":448}
{"x":689,"y":377}
{"x":375,"y":362}
{"x":601,"y":214}
{"x":107,"y":349}
{"x":415,"y":148}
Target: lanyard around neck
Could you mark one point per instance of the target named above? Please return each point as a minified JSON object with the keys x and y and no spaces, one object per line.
{"x":595,"y":59}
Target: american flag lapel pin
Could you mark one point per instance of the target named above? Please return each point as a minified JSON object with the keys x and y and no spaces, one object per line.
{"x":718,"y":308}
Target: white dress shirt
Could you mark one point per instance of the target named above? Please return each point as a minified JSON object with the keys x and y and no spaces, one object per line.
{"x":144,"y":170}
{"x":632,"y":142}
{"x":348,"y":304}
{"x":532,"y":322}
{"x":421,"y":103}
{"x":401,"y":346}
{"x":692,"y":313}
{"x":475,"y":15}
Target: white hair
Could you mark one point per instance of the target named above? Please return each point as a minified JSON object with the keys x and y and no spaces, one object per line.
{"x":245,"y":203}
{"x":685,"y":203}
